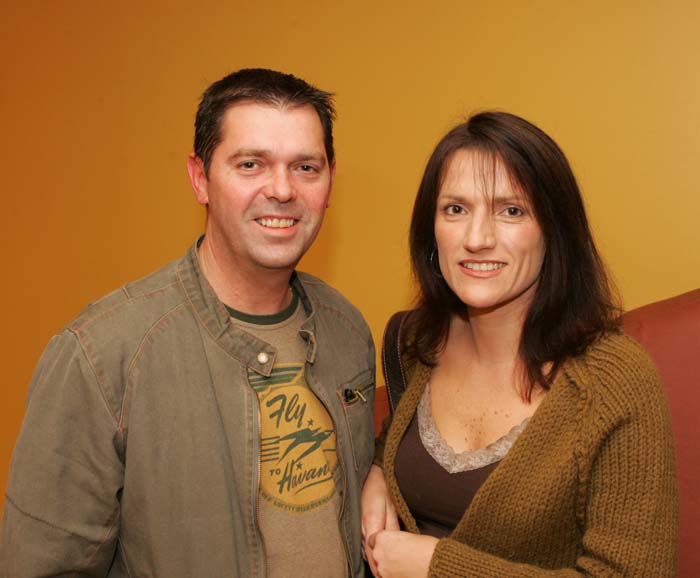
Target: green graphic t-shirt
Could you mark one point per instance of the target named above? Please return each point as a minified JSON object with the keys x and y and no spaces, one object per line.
{"x":298,"y":504}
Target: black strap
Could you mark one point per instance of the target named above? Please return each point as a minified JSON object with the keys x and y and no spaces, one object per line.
{"x":394,"y":375}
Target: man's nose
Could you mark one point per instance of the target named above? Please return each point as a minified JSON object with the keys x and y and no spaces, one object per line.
{"x":281,"y":186}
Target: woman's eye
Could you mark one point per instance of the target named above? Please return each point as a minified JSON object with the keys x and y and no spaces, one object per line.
{"x":514,"y":212}
{"x":453,"y":209}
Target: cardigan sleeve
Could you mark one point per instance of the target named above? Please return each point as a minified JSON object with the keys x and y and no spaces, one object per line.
{"x":628,"y":502}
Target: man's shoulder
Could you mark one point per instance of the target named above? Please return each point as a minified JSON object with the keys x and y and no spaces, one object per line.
{"x":132,"y":309}
{"x":328,"y":300}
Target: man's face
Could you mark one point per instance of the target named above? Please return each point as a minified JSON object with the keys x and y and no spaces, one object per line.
{"x":268,"y":187}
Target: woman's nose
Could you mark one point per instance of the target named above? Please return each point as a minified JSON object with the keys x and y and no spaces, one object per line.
{"x":480,"y":234}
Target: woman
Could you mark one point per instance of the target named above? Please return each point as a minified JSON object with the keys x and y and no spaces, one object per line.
{"x":533,"y":437}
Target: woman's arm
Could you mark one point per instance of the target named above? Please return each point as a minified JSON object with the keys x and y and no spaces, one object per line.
{"x":378,"y":512}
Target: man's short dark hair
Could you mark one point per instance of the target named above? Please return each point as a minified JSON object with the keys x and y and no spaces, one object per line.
{"x":263,"y":86}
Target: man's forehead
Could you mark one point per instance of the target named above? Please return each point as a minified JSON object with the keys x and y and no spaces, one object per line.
{"x":257,"y":125}
{"x":259,"y":110}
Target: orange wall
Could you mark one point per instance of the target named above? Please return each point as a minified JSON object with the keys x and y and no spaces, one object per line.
{"x":98,"y":100}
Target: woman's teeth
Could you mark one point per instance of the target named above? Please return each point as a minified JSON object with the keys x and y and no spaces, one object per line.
{"x":483,"y":266}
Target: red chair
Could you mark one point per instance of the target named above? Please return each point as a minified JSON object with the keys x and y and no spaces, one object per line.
{"x":670,"y":331}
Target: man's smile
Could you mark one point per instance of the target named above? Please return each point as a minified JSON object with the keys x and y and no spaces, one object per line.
{"x":276,"y":222}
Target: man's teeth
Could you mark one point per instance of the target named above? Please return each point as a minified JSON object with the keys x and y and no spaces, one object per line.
{"x":483,"y":266}
{"x":276,"y":223}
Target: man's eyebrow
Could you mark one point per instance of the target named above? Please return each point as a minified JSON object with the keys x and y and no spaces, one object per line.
{"x":317,"y":157}
{"x":320,"y":158}
{"x":250,"y":153}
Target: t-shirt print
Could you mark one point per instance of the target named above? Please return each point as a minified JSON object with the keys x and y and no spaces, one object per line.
{"x":298,"y":443}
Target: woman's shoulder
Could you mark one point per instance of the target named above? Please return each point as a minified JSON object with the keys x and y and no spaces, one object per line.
{"x":617,"y":349}
{"x":618,"y":369}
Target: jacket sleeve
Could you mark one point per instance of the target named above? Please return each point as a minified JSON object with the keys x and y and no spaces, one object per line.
{"x":629,"y":499}
{"x":61,"y":514}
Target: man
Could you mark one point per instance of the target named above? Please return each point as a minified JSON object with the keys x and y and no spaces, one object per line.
{"x":215,"y":418}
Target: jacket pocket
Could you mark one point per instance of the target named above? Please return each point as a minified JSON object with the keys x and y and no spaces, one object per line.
{"x":357,"y":400}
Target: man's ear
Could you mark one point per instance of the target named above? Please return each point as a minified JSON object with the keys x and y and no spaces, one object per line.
{"x":330,"y":184}
{"x":198,"y":179}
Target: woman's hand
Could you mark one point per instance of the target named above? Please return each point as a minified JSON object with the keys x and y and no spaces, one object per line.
{"x":401,"y":554}
{"x":378,"y":512}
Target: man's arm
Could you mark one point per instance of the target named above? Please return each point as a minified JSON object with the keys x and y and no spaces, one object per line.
{"x":61,"y":514}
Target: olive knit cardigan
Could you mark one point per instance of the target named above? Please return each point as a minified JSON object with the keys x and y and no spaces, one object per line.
{"x":588,"y":488}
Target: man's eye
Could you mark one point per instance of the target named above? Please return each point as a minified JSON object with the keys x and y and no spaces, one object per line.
{"x":248,"y":164}
{"x":307,"y":168}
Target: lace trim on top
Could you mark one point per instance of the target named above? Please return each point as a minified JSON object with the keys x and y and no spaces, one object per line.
{"x":443,"y":453}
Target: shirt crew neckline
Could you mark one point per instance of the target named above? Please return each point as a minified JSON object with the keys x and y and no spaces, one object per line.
{"x":271,"y":319}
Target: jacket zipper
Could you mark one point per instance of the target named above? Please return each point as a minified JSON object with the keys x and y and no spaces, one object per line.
{"x":341,"y":464}
{"x":256,"y":502}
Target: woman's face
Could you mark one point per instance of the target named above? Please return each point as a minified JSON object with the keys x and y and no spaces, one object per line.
{"x":489,"y":243}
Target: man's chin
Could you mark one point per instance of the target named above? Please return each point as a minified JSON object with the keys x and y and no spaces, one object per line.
{"x":279,"y":264}
{"x":279,"y":258}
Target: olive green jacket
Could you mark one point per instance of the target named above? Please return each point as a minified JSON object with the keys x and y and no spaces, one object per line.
{"x":139,"y":452}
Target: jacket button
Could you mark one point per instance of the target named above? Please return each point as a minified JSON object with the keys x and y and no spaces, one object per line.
{"x":263,"y":358}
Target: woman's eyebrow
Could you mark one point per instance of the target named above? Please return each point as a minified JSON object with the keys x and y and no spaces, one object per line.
{"x":505,"y":199}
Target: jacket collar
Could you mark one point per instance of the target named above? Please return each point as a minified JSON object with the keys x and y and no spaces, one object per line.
{"x":212,"y":315}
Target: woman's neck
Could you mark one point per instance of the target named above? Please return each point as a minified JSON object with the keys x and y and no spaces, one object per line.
{"x":493,"y":334}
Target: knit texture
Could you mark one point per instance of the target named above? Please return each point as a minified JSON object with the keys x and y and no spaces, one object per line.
{"x":588,"y":489}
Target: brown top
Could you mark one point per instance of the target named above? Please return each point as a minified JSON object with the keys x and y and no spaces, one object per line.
{"x":437,"y":499}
